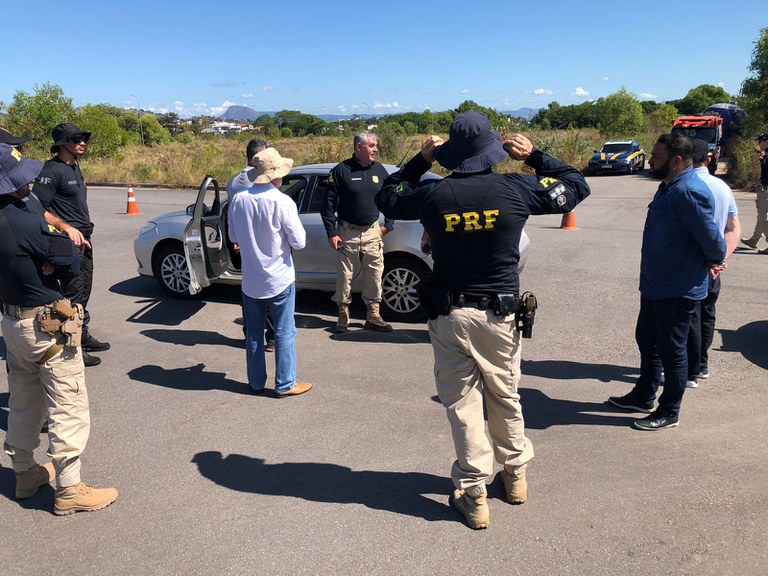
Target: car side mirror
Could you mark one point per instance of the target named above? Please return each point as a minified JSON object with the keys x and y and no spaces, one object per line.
{"x":190,"y":210}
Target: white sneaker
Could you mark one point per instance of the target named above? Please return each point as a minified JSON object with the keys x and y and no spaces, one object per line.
{"x":691,"y":384}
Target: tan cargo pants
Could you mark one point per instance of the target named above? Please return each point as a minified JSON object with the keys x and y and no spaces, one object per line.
{"x":761,"y":222}
{"x":476,"y":352}
{"x":54,"y":390}
{"x":363,"y":246}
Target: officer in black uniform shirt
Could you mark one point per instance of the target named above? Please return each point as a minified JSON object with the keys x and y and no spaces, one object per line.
{"x":62,"y":191}
{"x":357,"y":236}
{"x":46,"y":379}
{"x":474,"y":219}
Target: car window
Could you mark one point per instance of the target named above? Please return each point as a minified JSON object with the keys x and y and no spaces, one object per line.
{"x":294,"y":186}
{"x":615,"y":148}
{"x":319,"y":194}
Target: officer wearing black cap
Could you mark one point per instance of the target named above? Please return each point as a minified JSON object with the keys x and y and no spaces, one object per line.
{"x":14,"y":141}
{"x":761,"y":199}
{"x":62,"y":191}
{"x":41,"y":329}
{"x":474,"y":219}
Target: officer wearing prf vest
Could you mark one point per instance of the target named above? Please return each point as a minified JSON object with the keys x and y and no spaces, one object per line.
{"x":474,"y":219}
{"x":46,"y":377}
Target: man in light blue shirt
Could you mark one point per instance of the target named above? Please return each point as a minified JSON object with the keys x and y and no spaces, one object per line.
{"x":726,"y":217}
{"x":265,"y":223}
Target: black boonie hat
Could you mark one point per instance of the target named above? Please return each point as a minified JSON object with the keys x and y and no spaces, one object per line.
{"x":63,"y":132}
{"x":472,"y":146}
{"x":8,"y":138}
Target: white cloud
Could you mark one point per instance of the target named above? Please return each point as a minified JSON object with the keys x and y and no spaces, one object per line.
{"x":178,"y":103}
{"x":605,"y":78}
{"x":580,"y":92}
{"x":341,"y":108}
{"x":465,"y":91}
{"x":247,"y":95}
{"x":199,"y":105}
{"x":543,"y":92}
{"x":385,"y":105}
{"x":646,"y":96}
{"x":721,"y":85}
{"x":268,"y":88}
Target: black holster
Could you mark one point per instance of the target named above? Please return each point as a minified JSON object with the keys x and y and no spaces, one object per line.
{"x":434,"y":300}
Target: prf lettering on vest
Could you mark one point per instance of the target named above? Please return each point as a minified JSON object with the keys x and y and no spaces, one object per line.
{"x":472,"y":220}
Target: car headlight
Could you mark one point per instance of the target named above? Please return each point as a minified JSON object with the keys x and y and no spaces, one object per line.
{"x":148,"y":227}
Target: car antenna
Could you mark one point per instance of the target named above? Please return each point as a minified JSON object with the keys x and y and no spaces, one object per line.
{"x":399,"y":164}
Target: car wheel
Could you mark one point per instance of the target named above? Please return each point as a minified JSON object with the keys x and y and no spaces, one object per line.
{"x":640,"y":164}
{"x":171,"y":271}
{"x":400,"y":301}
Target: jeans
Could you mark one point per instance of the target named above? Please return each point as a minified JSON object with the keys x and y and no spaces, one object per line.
{"x":662,"y":334}
{"x":702,"y":331}
{"x":281,"y":309}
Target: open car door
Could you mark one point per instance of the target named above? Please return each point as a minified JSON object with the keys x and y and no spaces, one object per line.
{"x":205,"y":242}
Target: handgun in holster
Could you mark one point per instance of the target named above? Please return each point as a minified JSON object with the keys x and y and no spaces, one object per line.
{"x":72,"y":316}
{"x":526,"y":314}
{"x":436,"y":301}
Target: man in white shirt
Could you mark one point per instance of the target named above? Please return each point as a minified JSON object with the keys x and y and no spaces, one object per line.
{"x":265,"y":223}
{"x":726,"y":216}
{"x":239,"y":182}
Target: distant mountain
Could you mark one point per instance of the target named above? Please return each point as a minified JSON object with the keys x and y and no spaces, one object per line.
{"x":525,"y":113}
{"x":242,"y":113}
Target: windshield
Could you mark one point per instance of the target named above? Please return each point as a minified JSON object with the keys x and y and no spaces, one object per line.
{"x":706,"y":134}
{"x":615,"y":148}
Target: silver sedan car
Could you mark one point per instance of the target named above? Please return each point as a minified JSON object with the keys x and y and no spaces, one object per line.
{"x":187,"y":250}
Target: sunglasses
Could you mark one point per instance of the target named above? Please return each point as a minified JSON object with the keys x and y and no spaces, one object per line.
{"x":78,"y":139}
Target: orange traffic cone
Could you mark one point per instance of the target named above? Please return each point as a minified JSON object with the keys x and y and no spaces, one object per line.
{"x":569,"y":221}
{"x":132,"y":209}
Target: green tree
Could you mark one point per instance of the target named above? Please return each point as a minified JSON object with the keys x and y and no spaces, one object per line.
{"x":498,"y":121}
{"x":154,"y":133}
{"x":35,"y":115}
{"x":620,"y":114}
{"x":660,"y":120}
{"x":754,"y":90}
{"x":699,"y":98}
{"x":107,"y":136}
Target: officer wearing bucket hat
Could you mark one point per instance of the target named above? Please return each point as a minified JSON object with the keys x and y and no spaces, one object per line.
{"x":46,"y":379}
{"x":62,"y":191}
{"x":474,"y":219}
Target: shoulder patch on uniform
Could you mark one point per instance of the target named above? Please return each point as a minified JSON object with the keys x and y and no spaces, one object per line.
{"x":547,"y":182}
{"x":403,"y":189}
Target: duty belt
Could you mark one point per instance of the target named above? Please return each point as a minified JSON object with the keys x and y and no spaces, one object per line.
{"x":461,"y":300}
{"x":356,"y":227}
{"x":21,"y":312}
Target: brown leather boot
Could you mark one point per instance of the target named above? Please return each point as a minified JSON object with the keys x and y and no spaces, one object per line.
{"x":473,"y":505}
{"x":342,"y":325}
{"x":29,"y":482}
{"x":82,"y":498}
{"x":374,"y":321}
{"x":515,"y":487}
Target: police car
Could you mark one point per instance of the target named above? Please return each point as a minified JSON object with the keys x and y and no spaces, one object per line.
{"x":187,"y":250}
{"x":620,"y":157}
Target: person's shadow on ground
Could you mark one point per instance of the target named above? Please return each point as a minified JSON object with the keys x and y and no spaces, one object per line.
{"x":398,"y":492}
{"x":191,"y":378}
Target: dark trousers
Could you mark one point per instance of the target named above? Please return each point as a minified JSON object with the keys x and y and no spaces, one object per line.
{"x":702,"y":330}
{"x":662,"y":336}
{"x":78,"y":288}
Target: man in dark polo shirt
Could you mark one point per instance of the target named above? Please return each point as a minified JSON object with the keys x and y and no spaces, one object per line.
{"x":357,"y":236}
{"x":62,"y":192}
{"x":46,"y":380}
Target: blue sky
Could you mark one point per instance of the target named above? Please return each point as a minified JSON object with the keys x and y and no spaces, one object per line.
{"x":341,"y":57}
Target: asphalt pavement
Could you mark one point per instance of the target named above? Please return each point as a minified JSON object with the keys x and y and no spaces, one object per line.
{"x":353,"y":477}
